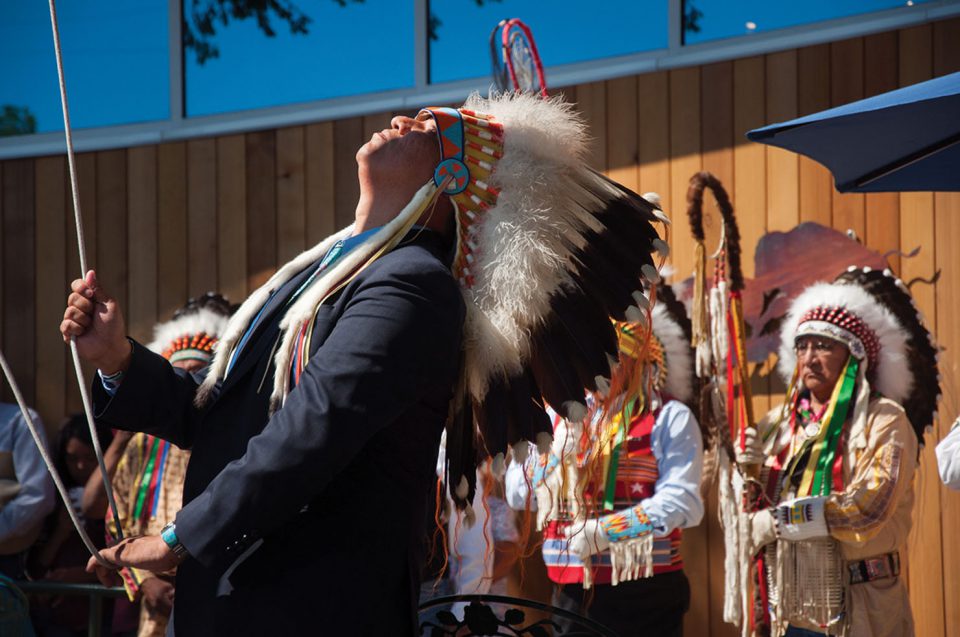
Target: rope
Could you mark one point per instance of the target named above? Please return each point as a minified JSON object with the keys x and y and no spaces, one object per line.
{"x":78,"y":220}
{"x":31,"y":425}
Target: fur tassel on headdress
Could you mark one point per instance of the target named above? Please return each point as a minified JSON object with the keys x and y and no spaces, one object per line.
{"x":249,"y":309}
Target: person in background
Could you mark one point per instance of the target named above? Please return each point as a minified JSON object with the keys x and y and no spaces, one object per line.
{"x":147,"y":472}
{"x":60,"y":554}
{"x":26,"y":490}
{"x":484,"y":549}
{"x":838,"y":460}
{"x":948,"y":457}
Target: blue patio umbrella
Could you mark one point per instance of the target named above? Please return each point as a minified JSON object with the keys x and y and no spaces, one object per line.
{"x":904,"y":140}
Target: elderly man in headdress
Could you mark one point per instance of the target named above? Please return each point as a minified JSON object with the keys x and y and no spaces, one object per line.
{"x":836,"y":487}
{"x":481,"y":245}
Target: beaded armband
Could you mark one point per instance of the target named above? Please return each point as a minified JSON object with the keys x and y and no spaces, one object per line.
{"x":801,"y":519}
{"x":626,"y":525}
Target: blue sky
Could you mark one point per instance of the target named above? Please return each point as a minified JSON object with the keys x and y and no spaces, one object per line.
{"x":116,"y":51}
{"x":359,"y":48}
{"x":115,"y":59}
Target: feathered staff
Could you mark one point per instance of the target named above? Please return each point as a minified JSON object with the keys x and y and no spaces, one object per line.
{"x":720,"y":342}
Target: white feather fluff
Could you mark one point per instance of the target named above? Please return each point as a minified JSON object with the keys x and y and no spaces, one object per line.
{"x":678,"y":354}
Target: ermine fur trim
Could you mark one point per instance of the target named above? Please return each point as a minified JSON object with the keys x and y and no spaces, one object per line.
{"x":677,"y":350}
{"x":304,"y":308}
{"x":242,"y":318}
{"x":327,"y":283}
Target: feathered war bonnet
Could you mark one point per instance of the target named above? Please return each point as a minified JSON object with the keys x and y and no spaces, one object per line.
{"x":547,"y":252}
{"x":873,"y":314}
{"x":543,"y":267}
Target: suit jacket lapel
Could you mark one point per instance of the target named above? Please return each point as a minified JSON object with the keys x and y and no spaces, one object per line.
{"x":267,"y":332}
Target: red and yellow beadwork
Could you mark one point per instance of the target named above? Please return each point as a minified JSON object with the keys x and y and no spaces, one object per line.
{"x":851,"y":324}
{"x":190,"y":346}
{"x":472,"y":141}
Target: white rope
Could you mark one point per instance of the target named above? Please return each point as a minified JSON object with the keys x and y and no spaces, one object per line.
{"x":81,"y":246}
{"x":31,"y":425}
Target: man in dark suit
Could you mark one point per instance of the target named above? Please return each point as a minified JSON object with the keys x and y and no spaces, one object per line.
{"x":309,"y":520}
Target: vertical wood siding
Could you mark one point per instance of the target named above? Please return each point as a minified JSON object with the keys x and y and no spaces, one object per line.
{"x":174,"y":220}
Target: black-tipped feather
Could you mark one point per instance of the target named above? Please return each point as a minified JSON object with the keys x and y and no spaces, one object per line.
{"x":624,"y":221}
{"x":526,"y":416}
{"x":529,"y":401}
{"x":642,"y":207}
{"x":921,"y":354}
{"x":461,"y":453}
{"x":589,"y":333}
{"x":492,"y":415}
{"x":553,"y":372}
{"x":606,"y":285}
{"x":620,"y":251}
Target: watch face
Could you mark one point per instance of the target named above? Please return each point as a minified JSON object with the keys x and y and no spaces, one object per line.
{"x":169,"y":535}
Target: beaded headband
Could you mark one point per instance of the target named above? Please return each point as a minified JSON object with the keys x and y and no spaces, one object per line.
{"x":471,"y":143}
{"x":193,"y":347}
{"x":842,"y":325}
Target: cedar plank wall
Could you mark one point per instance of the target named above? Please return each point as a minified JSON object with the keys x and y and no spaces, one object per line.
{"x":177,"y":219}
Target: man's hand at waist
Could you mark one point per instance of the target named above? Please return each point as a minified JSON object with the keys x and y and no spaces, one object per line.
{"x":146,"y":552}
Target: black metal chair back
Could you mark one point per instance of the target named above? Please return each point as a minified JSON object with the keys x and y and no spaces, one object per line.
{"x":497,"y":615}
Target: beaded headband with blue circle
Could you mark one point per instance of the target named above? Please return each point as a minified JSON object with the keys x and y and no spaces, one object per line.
{"x":471,"y":143}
